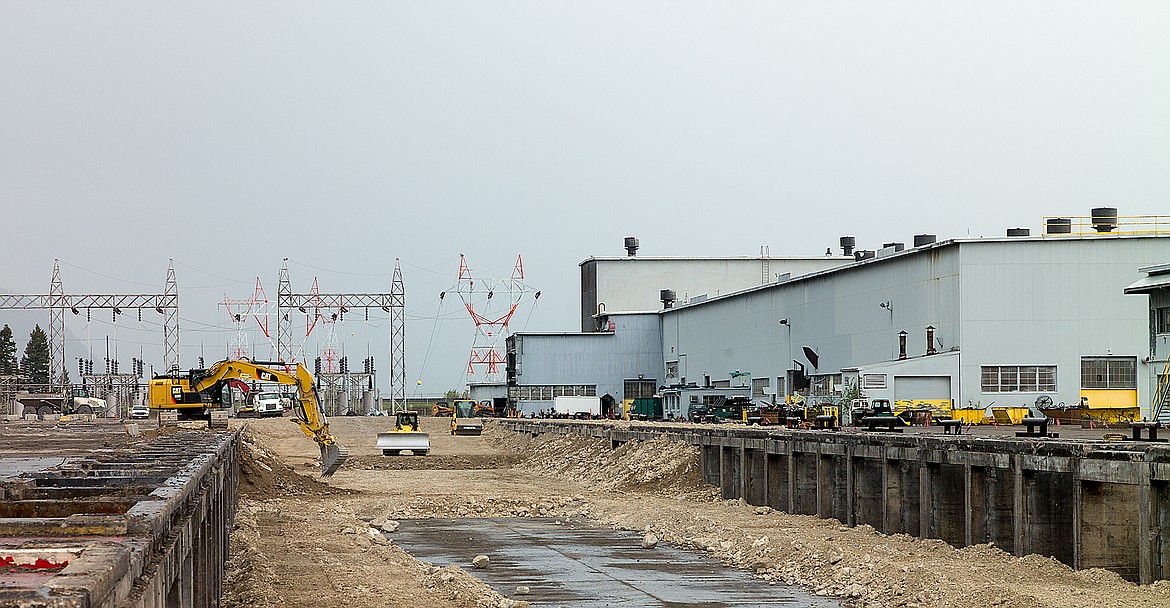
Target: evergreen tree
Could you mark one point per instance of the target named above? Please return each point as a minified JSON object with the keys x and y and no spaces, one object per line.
{"x":35,"y":362}
{"x":8,"y":363}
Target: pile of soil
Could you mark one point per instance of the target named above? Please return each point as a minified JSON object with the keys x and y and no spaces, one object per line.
{"x":263,"y":474}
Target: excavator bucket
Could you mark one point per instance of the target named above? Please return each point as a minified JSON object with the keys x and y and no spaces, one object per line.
{"x":332,"y":457}
{"x":395,"y":442}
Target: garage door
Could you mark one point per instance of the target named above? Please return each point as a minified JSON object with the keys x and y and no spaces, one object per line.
{"x":922,"y":388}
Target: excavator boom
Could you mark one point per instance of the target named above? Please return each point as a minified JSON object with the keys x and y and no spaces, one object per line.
{"x":307,"y":413}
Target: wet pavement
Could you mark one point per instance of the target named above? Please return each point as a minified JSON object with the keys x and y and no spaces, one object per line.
{"x":573,"y":564}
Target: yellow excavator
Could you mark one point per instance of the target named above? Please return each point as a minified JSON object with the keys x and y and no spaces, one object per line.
{"x":199,"y":390}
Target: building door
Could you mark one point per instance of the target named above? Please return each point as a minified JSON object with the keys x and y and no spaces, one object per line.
{"x":911,"y":391}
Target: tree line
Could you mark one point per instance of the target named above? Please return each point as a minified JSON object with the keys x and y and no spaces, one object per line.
{"x":34,"y":364}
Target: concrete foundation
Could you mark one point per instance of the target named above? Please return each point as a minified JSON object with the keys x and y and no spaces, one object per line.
{"x":142,"y":523}
{"x":1089,"y":504}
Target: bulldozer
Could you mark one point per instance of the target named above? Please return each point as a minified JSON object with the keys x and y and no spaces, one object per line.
{"x":407,"y":435}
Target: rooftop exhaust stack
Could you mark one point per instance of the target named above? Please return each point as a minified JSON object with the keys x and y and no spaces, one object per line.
{"x":847,"y":244}
{"x":1059,"y":225}
{"x":631,"y":246}
{"x":668,"y":297}
{"x":924,"y":239}
{"x":1019,"y":232}
{"x":1105,"y":219}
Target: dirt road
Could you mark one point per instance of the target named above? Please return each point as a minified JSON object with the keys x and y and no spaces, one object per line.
{"x":303,"y":542}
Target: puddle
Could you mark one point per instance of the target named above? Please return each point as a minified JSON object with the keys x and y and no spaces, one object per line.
{"x":577,"y":565}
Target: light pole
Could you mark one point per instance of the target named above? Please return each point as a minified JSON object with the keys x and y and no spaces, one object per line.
{"x":787,"y":378}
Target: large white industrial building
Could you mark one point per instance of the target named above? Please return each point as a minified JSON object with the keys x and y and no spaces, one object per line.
{"x":1010,"y":321}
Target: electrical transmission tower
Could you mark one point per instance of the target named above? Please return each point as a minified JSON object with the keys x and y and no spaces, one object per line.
{"x":491,"y":304}
{"x":257,"y":307}
{"x":331,"y":307}
{"x":397,"y":341}
{"x":57,"y":302}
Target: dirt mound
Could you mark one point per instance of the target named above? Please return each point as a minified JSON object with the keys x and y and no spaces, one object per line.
{"x":263,"y":474}
{"x":454,"y":462}
{"x":658,"y":466}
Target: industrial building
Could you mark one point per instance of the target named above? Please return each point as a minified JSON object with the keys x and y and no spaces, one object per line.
{"x":1157,"y":286}
{"x":634,"y":282}
{"x":963,"y":323}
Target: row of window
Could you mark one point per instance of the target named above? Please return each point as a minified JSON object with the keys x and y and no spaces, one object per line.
{"x":1096,"y":373}
{"x":548,"y":392}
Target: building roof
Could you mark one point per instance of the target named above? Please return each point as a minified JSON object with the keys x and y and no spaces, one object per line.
{"x":685,"y":258}
{"x":1159,"y":278}
{"x":929,"y":247}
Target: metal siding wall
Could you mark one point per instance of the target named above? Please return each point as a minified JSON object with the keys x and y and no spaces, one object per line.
{"x":1050,"y":302}
{"x":838,"y":315}
{"x":602,"y":359}
{"x":634,"y":284}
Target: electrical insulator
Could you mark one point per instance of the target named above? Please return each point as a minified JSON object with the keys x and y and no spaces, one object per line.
{"x":80,"y":366}
{"x":87,"y":315}
{"x":200,"y":362}
{"x":317,"y":366}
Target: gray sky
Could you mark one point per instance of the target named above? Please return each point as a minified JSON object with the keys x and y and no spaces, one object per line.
{"x":344,"y":135}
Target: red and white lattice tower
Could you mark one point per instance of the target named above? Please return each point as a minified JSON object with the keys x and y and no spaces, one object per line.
{"x":240,"y":311}
{"x":323,"y":313}
{"x":491,"y":303}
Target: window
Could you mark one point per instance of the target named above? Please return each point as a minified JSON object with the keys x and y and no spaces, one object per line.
{"x":1162,"y":317}
{"x":1018,"y":378}
{"x":826,"y":385}
{"x":671,"y":369}
{"x":873,"y":381}
{"x":759,"y":385}
{"x":548,"y":392}
{"x":1109,"y":372}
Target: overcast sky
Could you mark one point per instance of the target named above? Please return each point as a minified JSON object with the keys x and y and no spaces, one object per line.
{"x":344,"y":135}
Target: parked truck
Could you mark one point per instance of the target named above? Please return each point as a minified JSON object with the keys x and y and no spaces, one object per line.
{"x":70,"y":400}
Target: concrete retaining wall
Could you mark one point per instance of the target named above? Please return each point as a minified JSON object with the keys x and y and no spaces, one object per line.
{"x":1087,"y":504}
{"x":145,"y":527}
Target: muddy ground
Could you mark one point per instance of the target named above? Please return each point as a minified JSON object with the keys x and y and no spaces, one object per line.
{"x":300,"y":540}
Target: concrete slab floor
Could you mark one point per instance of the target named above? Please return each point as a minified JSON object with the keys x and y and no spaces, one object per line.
{"x":573,"y":564}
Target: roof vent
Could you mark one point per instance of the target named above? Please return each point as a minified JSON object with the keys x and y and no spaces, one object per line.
{"x":631,"y":246}
{"x":668,"y":297}
{"x":924,"y":239}
{"x":897,"y":246}
{"x":848,"y":243}
{"x":1019,"y":232}
{"x":863,"y":254}
{"x":1105,"y":219}
{"x":1059,"y":225}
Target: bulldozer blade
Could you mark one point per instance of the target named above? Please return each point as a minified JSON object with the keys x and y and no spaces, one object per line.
{"x":469,"y":427}
{"x":418,"y":443}
{"x":332,"y":457}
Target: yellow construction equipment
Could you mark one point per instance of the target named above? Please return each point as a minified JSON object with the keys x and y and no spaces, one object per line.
{"x":200,"y":390}
{"x":407,"y":435}
{"x":463,"y":420}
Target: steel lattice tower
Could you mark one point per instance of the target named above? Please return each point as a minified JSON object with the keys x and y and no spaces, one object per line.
{"x":397,"y":340}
